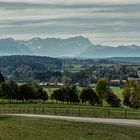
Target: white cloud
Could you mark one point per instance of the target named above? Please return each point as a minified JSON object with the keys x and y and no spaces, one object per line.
{"x":103,"y":23}
{"x":76,"y":1}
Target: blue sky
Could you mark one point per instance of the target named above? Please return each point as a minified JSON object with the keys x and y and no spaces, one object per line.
{"x":109,"y":22}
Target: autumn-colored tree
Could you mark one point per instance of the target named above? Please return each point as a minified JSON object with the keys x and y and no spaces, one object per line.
{"x":102,"y":89}
{"x":131,"y":94}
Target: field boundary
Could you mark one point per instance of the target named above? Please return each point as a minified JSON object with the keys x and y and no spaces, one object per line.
{"x":72,"y":111}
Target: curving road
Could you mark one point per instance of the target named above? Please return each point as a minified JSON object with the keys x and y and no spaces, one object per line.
{"x":127,"y":122}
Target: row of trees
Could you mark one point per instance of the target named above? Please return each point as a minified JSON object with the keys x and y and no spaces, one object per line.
{"x":10,"y":90}
{"x":102,"y":93}
{"x":88,"y":95}
{"x":130,"y":92}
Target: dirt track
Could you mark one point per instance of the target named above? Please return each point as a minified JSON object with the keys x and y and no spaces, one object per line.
{"x":128,"y":122}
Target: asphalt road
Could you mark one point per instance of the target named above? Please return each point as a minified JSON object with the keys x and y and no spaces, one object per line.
{"x":126,"y":122}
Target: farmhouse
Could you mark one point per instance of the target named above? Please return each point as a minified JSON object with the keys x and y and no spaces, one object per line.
{"x":51,"y":85}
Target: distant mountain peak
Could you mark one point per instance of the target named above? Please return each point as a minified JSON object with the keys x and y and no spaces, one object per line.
{"x":58,"y":47}
{"x":70,"y":38}
{"x":36,"y":38}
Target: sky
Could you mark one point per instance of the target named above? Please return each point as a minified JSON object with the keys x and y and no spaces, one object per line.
{"x":108,"y":22}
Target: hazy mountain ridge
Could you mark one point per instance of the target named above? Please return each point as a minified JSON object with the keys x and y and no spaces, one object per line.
{"x":99,"y":51}
{"x":123,"y":60}
{"x":72,"y":47}
{"x":58,"y":47}
{"x":9,"y":46}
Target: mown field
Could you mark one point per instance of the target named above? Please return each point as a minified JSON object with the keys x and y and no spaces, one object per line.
{"x":22,"y":128}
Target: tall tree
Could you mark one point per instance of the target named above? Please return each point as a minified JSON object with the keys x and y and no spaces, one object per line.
{"x":102,"y":89}
{"x":113,"y":100}
{"x":89,"y":95}
{"x":71,"y":94}
{"x":9,"y":90}
{"x":27,"y":92}
{"x":131,"y":94}
{"x":58,"y":95}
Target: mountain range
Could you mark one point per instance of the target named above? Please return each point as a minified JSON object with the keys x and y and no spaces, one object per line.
{"x":78,"y":47}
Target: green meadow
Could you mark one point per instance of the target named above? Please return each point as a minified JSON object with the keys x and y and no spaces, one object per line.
{"x":22,"y":128}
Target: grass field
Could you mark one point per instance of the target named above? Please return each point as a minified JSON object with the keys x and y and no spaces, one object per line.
{"x":118,"y":92}
{"x":21,"y":128}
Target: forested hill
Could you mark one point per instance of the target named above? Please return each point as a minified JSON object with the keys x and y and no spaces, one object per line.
{"x":30,"y":68}
{"x":21,"y":65}
{"x":33,"y":62}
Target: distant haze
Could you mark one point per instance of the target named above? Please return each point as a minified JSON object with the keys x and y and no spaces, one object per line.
{"x":76,"y":47}
{"x":114,"y":22}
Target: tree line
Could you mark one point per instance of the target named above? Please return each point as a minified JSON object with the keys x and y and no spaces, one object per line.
{"x":37,"y":68}
{"x":11,"y":90}
{"x":70,"y":94}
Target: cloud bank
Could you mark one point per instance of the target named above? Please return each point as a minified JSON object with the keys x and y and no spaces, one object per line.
{"x":111,"y":23}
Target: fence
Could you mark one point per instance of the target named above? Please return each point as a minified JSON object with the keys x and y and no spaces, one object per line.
{"x":65,"y":111}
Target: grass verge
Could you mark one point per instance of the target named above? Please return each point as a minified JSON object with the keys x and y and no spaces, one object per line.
{"x":15,"y":128}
